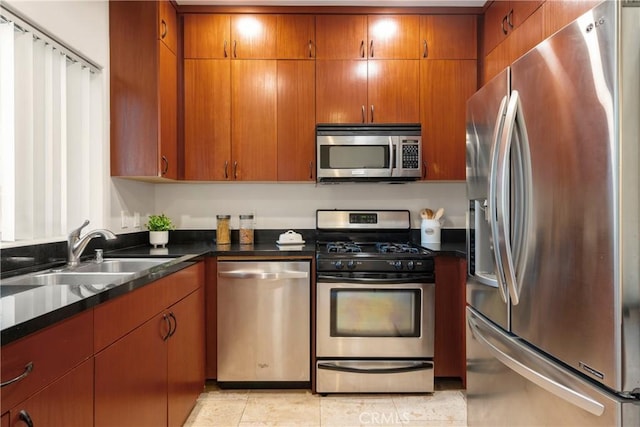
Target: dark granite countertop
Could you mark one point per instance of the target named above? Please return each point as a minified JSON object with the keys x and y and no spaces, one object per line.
{"x":26,"y":312}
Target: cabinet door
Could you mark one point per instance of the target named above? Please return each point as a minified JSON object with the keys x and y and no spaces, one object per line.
{"x":496,"y":25}
{"x":341,"y":36}
{"x":296,"y":120}
{"x":66,"y":402}
{"x":393,"y":36}
{"x":445,"y":87}
{"x":253,"y":118}
{"x":557,"y":14}
{"x":521,"y":10}
{"x":254,"y":36}
{"x":207,"y":36}
{"x":526,"y":36}
{"x":448,"y":37}
{"x":393,"y":91}
{"x":296,"y":37}
{"x":168,"y":113}
{"x":131,"y":378}
{"x":207,"y":120}
{"x":341,"y":91}
{"x":186,"y":357}
{"x":168,"y":25}
{"x":497,"y":60}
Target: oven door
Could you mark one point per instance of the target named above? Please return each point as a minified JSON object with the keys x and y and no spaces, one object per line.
{"x":356,"y":320}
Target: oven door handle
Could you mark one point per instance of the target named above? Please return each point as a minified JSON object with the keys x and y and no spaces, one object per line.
{"x":411,"y":367}
{"x":371,"y":280}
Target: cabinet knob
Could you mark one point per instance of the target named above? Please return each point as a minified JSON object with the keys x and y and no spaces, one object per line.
{"x":175,"y":324}
{"x":510,"y":19}
{"x":235,"y":49}
{"x":235,"y":170}
{"x":504,"y":21}
{"x":425,"y":49}
{"x":310,"y":51}
{"x":168,"y":322}
{"x":224,"y":49}
{"x":310,"y":170}
{"x":362,"y":49}
{"x":226,"y":167}
{"x":372,"y":113}
{"x":364,"y":117}
{"x":371,"y":49}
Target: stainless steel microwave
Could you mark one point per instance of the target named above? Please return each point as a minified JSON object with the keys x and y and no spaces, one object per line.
{"x":369,"y":153}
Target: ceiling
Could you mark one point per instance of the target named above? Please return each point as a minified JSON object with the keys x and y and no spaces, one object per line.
{"x":386,"y":3}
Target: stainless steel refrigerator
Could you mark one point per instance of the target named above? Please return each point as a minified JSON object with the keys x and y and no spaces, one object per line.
{"x":553,"y":289}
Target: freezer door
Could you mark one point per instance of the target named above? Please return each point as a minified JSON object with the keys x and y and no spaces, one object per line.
{"x":568,"y":287}
{"x":508,"y":384}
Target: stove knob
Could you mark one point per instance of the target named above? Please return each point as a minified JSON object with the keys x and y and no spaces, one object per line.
{"x":351,"y":265}
{"x":410,"y":265}
{"x":338,"y":265}
{"x":397,"y":265}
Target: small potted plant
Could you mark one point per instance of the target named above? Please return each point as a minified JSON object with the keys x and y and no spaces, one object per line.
{"x":159,"y":226}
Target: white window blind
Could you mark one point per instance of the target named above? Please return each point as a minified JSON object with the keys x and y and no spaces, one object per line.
{"x":47,"y":122}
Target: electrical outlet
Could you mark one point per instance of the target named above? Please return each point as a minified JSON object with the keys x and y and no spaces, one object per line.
{"x":136,"y":220}
{"x":123,"y":219}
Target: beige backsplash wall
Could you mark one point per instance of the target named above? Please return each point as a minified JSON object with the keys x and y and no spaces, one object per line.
{"x":279,"y":206}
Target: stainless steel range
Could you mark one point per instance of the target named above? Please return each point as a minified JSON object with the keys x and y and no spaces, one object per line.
{"x":375,"y":304}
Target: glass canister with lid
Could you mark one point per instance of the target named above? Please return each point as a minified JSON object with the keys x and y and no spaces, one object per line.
{"x":246,"y":229}
{"x":223,"y":230}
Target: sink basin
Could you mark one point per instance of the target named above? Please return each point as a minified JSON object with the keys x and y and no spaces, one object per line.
{"x":67,"y":278}
{"x":121,"y":265}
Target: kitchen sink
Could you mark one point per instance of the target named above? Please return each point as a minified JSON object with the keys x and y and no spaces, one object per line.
{"x":67,"y":278}
{"x":121,"y":265}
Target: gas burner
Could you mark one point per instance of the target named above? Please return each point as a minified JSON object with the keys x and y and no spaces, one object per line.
{"x":343,"y":247}
{"x":389,"y":247}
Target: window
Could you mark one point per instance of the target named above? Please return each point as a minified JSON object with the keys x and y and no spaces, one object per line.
{"x":50,"y":112}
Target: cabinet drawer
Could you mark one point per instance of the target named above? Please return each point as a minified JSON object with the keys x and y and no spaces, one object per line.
{"x":120,"y":316}
{"x":51,"y":352}
{"x":67,"y":402}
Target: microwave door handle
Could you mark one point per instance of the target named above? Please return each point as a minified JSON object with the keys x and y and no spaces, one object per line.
{"x":392,"y":156}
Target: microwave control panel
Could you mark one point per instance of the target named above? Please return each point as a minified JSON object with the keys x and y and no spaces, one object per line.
{"x":410,"y":154}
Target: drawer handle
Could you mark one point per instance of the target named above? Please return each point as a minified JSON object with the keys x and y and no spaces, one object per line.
{"x":27,"y":370}
{"x":24,"y":416}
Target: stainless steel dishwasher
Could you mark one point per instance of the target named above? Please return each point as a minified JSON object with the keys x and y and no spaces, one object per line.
{"x":263,"y":323}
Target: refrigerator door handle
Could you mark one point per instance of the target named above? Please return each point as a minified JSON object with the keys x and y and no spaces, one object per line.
{"x":491,"y":201}
{"x":502,"y":191}
{"x":481,"y":328}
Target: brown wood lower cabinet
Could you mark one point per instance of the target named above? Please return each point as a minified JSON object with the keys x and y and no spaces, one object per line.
{"x":153,"y":375}
{"x":450,"y":357}
{"x":67,"y":402}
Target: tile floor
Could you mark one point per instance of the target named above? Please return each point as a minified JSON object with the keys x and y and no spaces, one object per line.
{"x":216,"y":407}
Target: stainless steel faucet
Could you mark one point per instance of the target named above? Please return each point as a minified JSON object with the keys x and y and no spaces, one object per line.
{"x":76,"y":245}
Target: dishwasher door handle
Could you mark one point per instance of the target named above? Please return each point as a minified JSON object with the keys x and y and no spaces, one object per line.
{"x":265,"y":275}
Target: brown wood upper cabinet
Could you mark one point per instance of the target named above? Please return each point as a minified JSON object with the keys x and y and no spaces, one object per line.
{"x":393,"y":36}
{"x":144,"y":91}
{"x":448,"y":37}
{"x":341,"y":36}
{"x":207,"y":36}
{"x":296,"y":37}
{"x":502,"y":17}
{"x":253,"y":36}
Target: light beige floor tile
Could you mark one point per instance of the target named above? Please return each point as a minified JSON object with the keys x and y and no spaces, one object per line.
{"x":441,"y":406}
{"x":358,"y":410}
{"x":281,"y":408}
{"x":210,"y":412}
